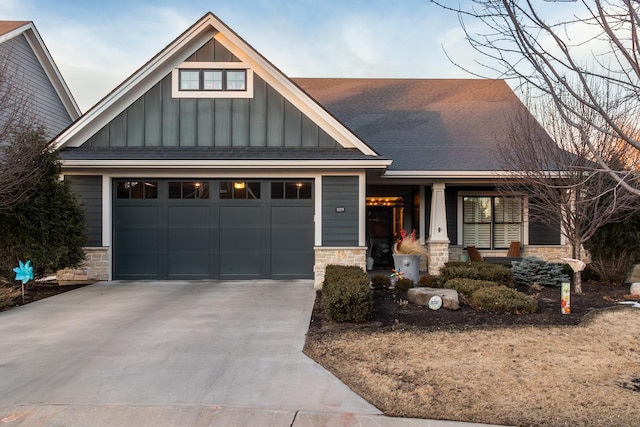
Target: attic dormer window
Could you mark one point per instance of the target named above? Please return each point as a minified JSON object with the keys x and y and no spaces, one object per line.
{"x":212,"y":80}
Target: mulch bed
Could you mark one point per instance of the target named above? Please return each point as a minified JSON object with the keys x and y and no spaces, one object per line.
{"x":389,"y":313}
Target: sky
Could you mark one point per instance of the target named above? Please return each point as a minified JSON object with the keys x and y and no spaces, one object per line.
{"x":97,"y":45}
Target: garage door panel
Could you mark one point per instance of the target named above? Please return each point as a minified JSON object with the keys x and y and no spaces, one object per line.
{"x":241,"y":240}
{"x":147,"y":216}
{"x":188,"y":216}
{"x":188,"y":241}
{"x":194,"y":265}
{"x":138,"y":265}
{"x":131,"y":241}
{"x":292,"y":241}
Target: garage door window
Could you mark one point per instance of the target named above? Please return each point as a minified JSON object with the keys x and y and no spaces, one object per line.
{"x":239,"y":190}
{"x":291,"y":190}
{"x":137,"y":190}
{"x":188,"y":190}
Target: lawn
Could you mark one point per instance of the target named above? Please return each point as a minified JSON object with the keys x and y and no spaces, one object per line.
{"x":507,"y":371}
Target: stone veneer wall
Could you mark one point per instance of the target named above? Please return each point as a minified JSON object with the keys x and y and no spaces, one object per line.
{"x":339,"y":256}
{"x":547,"y":253}
{"x":438,"y":256}
{"x":94,"y":267}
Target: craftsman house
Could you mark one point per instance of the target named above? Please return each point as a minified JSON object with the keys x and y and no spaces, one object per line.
{"x":209,"y":162}
{"x":28,"y":67}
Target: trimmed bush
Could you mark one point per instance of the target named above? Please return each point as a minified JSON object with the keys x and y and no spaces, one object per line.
{"x":346,"y":294}
{"x":404,"y":284}
{"x":478,"y":271}
{"x":534,"y":270}
{"x":500,"y":299}
{"x":380,"y":281}
{"x":428,"y":281}
{"x":467,"y":287}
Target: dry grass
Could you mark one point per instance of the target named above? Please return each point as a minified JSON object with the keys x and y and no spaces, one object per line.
{"x":527,"y":376}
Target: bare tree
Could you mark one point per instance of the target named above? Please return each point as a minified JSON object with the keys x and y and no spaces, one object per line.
{"x":559,"y":173}
{"x":588,"y":64}
{"x":23,"y":147}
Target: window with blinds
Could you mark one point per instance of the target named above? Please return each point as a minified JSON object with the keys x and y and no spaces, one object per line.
{"x":491,"y":222}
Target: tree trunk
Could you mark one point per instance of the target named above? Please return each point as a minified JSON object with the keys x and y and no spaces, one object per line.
{"x":577,"y":275}
{"x":577,"y":282}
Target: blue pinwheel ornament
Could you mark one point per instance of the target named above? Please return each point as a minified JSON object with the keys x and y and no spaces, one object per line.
{"x":24,"y":272}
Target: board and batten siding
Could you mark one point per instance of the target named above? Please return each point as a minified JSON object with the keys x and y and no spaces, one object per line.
{"x":88,"y":191}
{"x":27,"y":76}
{"x":340,"y":211}
{"x":158,"y":120}
{"x":213,"y":51}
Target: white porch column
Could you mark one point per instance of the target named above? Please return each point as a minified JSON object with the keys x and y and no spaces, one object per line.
{"x":438,"y":217}
{"x":438,"y":245}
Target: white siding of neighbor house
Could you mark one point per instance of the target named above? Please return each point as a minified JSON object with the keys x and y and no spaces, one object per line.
{"x":27,"y":74}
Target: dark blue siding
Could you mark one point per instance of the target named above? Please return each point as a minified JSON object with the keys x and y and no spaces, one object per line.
{"x":88,"y":190}
{"x":340,"y":228}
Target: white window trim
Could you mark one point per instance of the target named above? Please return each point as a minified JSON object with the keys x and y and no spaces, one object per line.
{"x":175,"y":81}
{"x":460,"y":219}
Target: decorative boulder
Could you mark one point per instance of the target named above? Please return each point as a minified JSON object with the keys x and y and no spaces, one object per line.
{"x":421,"y":296}
{"x":635,"y":288}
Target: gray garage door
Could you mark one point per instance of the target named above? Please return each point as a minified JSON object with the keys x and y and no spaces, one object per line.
{"x":198,"y":229}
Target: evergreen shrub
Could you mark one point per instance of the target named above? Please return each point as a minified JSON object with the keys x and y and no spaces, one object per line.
{"x":499,"y":273}
{"x":500,"y":299}
{"x":47,"y":228}
{"x":535,"y":270}
{"x":428,"y":281}
{"x":380,"y":281}
{"x":404,"y":284}
{"x":346,"y":294}
{"x":467,"y":287}
{"x":614,"y":248}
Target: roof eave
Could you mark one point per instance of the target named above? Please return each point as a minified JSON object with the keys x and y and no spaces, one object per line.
{"x":222,"y":164}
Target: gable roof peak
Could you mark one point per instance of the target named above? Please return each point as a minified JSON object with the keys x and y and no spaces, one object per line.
{"x":175,"y":53}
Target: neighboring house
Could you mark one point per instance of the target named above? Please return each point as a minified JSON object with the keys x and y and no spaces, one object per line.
{"x":209,"y":162}
{"x":35,"y":77}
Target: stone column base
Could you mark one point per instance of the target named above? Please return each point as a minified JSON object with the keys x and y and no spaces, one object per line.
{"x":95,"y":267}
{"x":438,"y":256}
{"x":337,"y":256}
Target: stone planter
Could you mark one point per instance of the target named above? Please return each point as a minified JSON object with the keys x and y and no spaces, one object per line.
{"x":408,"y":265}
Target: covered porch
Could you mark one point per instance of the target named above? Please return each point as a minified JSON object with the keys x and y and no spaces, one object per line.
{"x":450,"y":216}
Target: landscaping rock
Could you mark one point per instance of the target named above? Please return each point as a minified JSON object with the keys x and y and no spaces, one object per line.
{"x":421,"y":296}
{"x":635,"y":288}
{"x":634,"y":275}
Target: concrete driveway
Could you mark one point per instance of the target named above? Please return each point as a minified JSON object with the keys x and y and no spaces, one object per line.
{"x":235,"y":344}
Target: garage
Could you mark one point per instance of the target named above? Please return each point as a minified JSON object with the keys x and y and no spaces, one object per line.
{"x":212,"y":229}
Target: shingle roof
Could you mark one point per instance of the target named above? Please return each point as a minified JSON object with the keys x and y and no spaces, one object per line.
{"x":423,"y":125}
{"x":7,"y":26}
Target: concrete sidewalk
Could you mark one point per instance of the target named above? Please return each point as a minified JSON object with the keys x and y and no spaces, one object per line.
{"x":197,"y":416}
